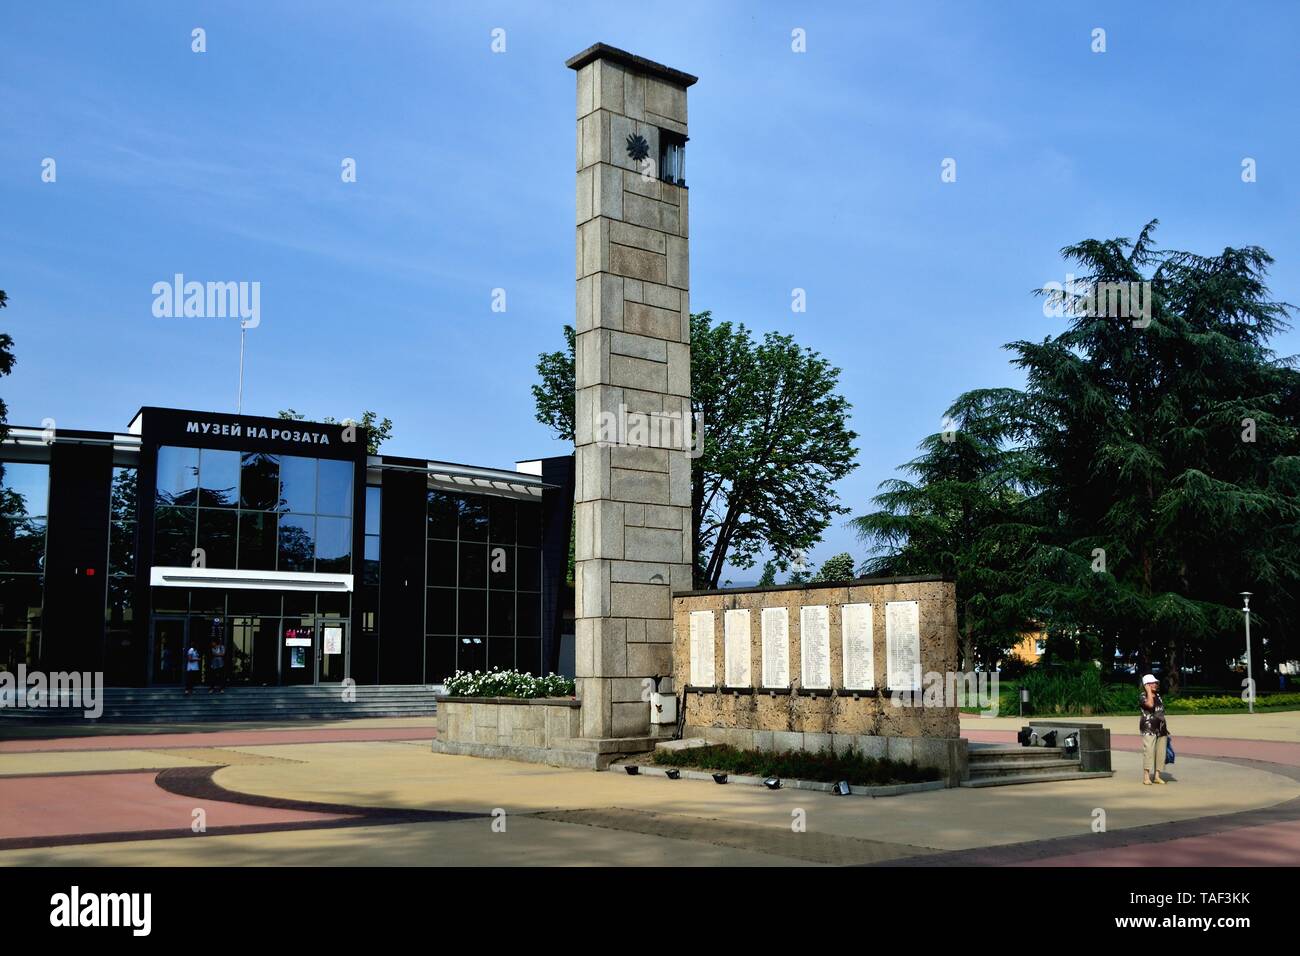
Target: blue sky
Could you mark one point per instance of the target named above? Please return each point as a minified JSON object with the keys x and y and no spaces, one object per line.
{"x":817,"y":170}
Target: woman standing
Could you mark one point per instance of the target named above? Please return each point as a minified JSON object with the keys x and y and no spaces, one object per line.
{"x":1154,"y":731}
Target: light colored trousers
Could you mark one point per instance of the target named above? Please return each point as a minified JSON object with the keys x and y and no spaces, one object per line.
{"x":1153,"y":753}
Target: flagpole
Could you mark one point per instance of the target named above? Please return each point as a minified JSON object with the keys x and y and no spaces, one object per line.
{"x":239,"y":400}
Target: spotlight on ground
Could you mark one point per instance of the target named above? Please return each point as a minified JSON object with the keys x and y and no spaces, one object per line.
{"x":1027,"y":737}
{"x":1049,"y":739}
{"x":772,"y":783}
{"x":842,"y":789}
{"x":672,"y":774}
{"x":632,"y":769}
{"x":719,"y":778}
{"x":1071,"y":744}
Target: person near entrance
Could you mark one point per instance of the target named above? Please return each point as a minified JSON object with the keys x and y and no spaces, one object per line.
{"x":1155,"y":732}
{"x":191,"y":668}
{"x":217,"y":666}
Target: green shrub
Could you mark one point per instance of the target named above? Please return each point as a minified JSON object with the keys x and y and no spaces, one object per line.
{"x":824,"y":766}
{"x":1074,"y":688}
{"x":499,"y":683}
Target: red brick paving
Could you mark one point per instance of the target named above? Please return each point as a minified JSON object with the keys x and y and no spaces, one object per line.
{"x":1275,"y":845}
{"x":219,"y":738}
{"x":51,"y":806}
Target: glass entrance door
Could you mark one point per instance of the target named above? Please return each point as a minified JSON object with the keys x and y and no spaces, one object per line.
{"x":333,"y":642}
{"x":170,"y":638}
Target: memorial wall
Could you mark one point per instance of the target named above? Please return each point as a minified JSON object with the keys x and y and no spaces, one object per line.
{"x":816,"y":660}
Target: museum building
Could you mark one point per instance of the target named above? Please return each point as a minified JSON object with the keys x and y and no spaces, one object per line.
{"x":314,"y":560}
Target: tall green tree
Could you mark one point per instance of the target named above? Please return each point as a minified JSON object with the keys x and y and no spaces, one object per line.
{"x":1147,"y":473}
{"x":377,"y":431}
{"x":775,"y":441}
{"x":838,"y":567}
{"x":1169,"y":443}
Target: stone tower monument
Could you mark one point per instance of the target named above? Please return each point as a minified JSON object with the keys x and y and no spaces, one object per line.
{"x":632,"y":545}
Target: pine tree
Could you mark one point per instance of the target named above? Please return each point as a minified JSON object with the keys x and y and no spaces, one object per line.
{"x":1169,"y":445}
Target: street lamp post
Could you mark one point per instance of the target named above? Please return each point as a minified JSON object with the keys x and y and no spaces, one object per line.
{"x":1250,"y":679}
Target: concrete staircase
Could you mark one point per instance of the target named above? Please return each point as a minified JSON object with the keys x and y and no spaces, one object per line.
{"x":170,"y":705}
{"x":997,"y":766}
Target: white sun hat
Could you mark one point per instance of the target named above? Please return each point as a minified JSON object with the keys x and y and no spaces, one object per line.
{"x":1149,"y":679}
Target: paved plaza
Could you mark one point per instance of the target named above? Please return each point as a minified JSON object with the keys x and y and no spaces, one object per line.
{"x":369,"y":792}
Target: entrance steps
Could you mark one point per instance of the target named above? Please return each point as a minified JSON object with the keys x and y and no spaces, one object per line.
{"x":170,"y":705}
{"x":993,"y":766}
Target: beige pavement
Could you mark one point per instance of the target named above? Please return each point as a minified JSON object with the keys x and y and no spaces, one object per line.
{"x":401,"y":775}
{"x":599,"y":818}
{"x":103,"y":761}
{"x":526,"y":842}
{"x":557,"y":816}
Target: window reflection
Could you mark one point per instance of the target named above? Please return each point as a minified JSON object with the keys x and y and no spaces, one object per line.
{"x":217,"y":536}
{"x":297,"y":484}
{"x":259,"y":481}
{"x":297,"y":542}
{"x":178,"y":476}
{"x":257,"y":540}
{"x":334,"y":492}
{"x":334,"y":545}
{"x":218,"y":478}
{"x":483,"y":601}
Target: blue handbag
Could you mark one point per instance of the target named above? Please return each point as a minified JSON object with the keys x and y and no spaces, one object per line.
{"x":1169,"y":750}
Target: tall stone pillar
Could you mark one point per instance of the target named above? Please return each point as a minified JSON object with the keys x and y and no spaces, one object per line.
{"x":633,"y":383}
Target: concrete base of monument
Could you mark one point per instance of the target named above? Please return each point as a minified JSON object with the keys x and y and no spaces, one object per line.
{"x":543,"y":730}
{"x":946,"y":754}
{"x":574,"y":758}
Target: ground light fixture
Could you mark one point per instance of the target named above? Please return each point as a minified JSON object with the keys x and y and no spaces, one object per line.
{"x":673,"y":773}
{"x":1071,"y":744}
{"x":632,"y":769}
{"x":1049,"y":739}
{"x":772,"y":783}
{"x":842,"y":789}
{"x":1027,"y":736}
{"x":719,"y":778}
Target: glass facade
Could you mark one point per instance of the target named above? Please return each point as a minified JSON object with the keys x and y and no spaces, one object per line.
{"x":252,"y":511}
{"x":24,"y":510}
{"x":254,"y":624}
{"x":483,"y":598}
{"x":119,"y":608}
{"x":464,"y":567}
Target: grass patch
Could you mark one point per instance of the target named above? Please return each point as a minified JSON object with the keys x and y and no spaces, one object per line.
{"x":1051,"y":698}
{"x":824,"y":766}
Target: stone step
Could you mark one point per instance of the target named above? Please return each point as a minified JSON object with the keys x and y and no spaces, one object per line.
{"x":990,"y":769}
{"x":170,"y":704}
{"x":1016,"y":753}
{"x":685,"y":743}
{"x":1016,"y":779}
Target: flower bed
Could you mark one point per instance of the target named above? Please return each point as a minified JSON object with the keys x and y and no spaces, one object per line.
{"x":823,"y":766}
{"x":499,"y":683}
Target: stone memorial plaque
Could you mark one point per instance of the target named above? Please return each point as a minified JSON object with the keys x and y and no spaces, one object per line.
{"x":903,"y":645}
{"x":776,"y":647}
{"x":702,"y":650}
{"x":856,"y":634}
{"x":735,"y":637}
{"x":815,"y":646}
